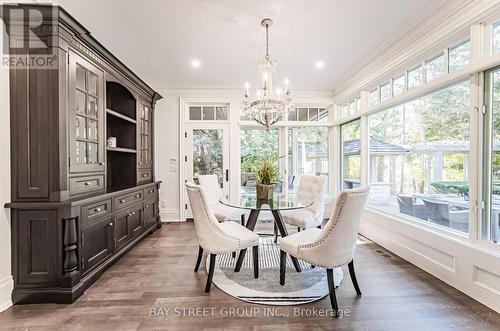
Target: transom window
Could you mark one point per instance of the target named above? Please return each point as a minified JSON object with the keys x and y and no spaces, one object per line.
{"x":208,"y":113}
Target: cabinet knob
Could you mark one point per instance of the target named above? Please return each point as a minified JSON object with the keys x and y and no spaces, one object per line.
{"x":137,"y":195}
{"x":97,"y":210}
{"x":87,"y":183}
{"x":145,"y":175}
{"x":122,"y":201}
{"x":102,"y":163}
{"x":146,"y":206}
{"x":139,"y":162}
{"x":133,"y":213}
{"x":110,"y":224}
{"x":151,"y":191}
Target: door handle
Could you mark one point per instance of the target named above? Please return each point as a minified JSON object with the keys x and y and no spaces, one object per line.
{"x":227,"y":175}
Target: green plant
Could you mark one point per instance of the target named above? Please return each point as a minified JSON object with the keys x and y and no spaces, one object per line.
{"x":267,"y":170}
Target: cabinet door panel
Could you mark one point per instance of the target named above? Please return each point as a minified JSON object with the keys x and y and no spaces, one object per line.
{"x":122,"y":233}
{"x":97,"y":242}
{"x":144,"y":136}
{"x":86,"y":116}
{"x":135,"y":221}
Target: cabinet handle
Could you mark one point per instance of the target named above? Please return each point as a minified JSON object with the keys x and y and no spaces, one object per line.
{"x":146,"y":206}
{"x":110,"y":224}
{"x":139,"y":162}
{"x":137,"y":195}
{"x":133,"y":213}
{"x":145,"y":175}
{"x":102,"y":163}
{"x":97,"y":210}
{"x":87,"y":183}
{"x":122,"y":201}
{"x":151,"y":191}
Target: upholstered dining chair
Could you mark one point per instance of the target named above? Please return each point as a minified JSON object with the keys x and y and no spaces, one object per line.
{"x":332,"y":246}
{"x":311,"y":189}
{"x":215,"y":237}
{"x":223,"y":213}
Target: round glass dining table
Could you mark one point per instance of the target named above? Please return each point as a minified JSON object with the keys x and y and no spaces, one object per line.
{"x":278,"y":203}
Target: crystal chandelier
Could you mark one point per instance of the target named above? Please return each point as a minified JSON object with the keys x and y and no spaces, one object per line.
{"x":267,"y":108}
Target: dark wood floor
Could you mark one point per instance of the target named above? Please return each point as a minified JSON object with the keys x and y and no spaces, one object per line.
{"x":158,"y":273}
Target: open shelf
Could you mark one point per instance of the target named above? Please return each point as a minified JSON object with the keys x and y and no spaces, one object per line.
{"x":120,"y":100}
{"x":122,"y":171}
{"x":118,"y":115}
{"x":122,"y":150}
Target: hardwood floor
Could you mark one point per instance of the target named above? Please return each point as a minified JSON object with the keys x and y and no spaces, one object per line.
{"x":158,"y":274}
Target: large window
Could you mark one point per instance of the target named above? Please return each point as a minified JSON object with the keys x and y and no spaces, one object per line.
{"x":307,"y":153}
{"x":255,"y":144}
{"x":351,"y":154}
{"x":490,"y":228}
{"x":419,"y":158}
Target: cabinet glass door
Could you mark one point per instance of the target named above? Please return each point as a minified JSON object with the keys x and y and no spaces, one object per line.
{"x":86,"y":116}
{"x":144,"y":159}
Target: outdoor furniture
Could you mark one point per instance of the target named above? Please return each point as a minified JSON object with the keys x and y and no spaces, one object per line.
{"x":223,"y":213}
{"x":311,"y":188}
{"x":334,"y":245}
{"x":440,"y":212}
{"x":408,"y":205}
{"x":218,"y":238}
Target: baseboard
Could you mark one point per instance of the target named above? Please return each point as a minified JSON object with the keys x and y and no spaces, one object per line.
{"x":6,"y":286}
{"x":170,"y":215}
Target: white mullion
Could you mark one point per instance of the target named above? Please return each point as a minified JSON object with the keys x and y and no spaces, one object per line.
{"x":365,"y":150}
{"x":476,"y":157}
{"x":446,"y":55}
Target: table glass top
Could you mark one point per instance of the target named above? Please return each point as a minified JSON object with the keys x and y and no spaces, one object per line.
{"x":279,"y":202}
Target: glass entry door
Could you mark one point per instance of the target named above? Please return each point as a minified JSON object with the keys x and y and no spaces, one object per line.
{"x":207,"y":153}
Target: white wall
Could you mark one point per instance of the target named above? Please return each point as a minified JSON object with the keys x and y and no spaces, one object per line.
{"x":167,"y":135}
{"x":6,"y":282}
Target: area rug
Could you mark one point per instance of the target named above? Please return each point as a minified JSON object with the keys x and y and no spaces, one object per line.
{"x":307,"y":286}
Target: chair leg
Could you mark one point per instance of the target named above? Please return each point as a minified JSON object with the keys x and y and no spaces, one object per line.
{"x":353,"y":277}
{"x":243,"y":220}
{"x":282,"y":267}
{"x":275,"y":233}
{"x":210,"y":272}
{"x":331,"y":289}
{"x":313,"y":266}
{"x":198,"y":260}
{"x":298,"y":229}
{"x":319,"y":226}
{"x":241,"y":257}
{"x":255,"y":251}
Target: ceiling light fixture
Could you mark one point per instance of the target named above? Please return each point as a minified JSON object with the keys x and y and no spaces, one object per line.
{"x":267,"y":109}
{"x":195,"y":63}
{"x":319,"y":64}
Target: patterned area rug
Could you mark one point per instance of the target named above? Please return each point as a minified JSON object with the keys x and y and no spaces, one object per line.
{"x":307,"y":286}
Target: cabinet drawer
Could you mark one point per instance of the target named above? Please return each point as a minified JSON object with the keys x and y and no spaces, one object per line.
{"x":144,"y":175}
{"x":96,"y":210}
{"x":87,"y":184}
{"x":150,"y":192}
{"x":128,"y":199}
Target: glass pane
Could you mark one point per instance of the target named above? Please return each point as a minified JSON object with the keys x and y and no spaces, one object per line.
{"x":208,"y":153}
{"x":80,"y":131}
{"x":80,"y":102}
{"x":146,"y":156}
{"x":302,"y":114}
{"x":398,"y":85}
{"x":496,"y":38}
{"x":92,"y":107}
{"x":434,"y":68}
{"x":81,"y":152}
{"x":358,"y":104}
{"x":313,"y":114}
{"x":351,"y":154}
{"x":92,"y":153}
{"x":93,"y":83}
{"x":80,"y":77}
{"x":419,"y":158}
{"x":459,"y":56}
{"x":323,"y":114}
{"x":92,"y":129}
{"x":208,"y":113}
{"x":221,"y":113}
{"x":255,"y":145}
{"x":345,"y":110}
{"x":292,"y":114}
{"x":415,"y":77}
{"x":385,"y":91}
{"x":195,"y":113}
{"x":352,"y":107}
{"x":308,"y":154}
{"x":373,"y":98}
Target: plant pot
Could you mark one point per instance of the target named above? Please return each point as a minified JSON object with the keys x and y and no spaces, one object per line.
{"x":264,"y":192}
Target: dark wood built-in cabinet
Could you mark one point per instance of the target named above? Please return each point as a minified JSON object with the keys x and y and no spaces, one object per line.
{"x":78,"y":204}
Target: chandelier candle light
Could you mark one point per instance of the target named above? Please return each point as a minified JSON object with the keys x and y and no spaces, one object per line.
{"x":267,"y":108}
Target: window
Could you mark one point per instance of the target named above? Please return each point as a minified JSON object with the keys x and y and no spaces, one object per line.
{"x":255,"y":144}
{"x":351,"y":154}
{"x":373,"y":98}
{"x":398,"y":85}
{"x":350,"y":108}
{"x":307,"y":154}
{"x":385,"y":91}
{"x":490,"y":227}
{"x":459,"y":56}
{"x":496,"y":37}
{"x":415,"y":77}
{"x":208,"y":113}
{"x":419,"y":156}
{"x":434,"y":68}
{"x":305,"y":114}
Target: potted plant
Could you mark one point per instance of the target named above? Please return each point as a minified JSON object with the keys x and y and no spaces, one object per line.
{"x":267,"y":176}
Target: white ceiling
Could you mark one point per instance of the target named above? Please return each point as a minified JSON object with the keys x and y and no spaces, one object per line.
{"x":157,"y":39}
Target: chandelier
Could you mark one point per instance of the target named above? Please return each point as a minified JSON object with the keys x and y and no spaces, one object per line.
{"x":267,"y":108}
